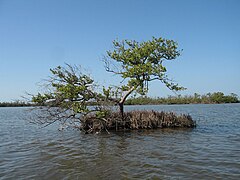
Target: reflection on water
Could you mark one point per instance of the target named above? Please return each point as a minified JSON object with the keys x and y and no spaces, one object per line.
{"x":210,"y":151}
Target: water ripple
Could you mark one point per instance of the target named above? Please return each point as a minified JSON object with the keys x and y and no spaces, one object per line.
{"x":211,"y":151}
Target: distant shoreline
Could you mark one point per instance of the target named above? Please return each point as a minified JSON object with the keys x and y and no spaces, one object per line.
{"x":209,"y":98}
{"x":2,"y":106}
{"x":182,"y":104}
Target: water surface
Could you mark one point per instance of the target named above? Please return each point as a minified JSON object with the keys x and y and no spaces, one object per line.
{"x":210,"y":151}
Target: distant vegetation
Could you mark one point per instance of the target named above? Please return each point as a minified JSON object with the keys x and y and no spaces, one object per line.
{"x":15,"y":104}
{"x":209,"y":98}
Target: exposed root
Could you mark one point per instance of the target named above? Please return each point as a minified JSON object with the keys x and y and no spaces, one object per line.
{"x":135,"y":120}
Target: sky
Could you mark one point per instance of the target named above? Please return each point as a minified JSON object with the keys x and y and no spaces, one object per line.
{"x":38,"y":35}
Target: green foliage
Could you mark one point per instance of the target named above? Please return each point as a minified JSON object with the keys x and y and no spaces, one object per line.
{"x":139,"y":63}
{"x":40,"y":99}
{"x":214,"y":98}
{"x":101,"y":114}
{"x":70,"y":89}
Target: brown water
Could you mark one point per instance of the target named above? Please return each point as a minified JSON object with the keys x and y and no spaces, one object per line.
{"x":210,"y":151}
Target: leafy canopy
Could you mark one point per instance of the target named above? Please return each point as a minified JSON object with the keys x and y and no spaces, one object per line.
{"x":70,"y":89}
{"x":140,"y":63}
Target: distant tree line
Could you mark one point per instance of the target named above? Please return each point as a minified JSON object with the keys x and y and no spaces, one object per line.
{"x":15,"y":104}
{"x":209,"y":98}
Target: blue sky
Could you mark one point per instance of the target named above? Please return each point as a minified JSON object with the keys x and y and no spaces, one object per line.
{"x":38,"y":35}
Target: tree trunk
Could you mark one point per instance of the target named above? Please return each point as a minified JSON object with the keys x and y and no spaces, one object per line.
{"x":121,"y":102}
{"x":121,"y":109}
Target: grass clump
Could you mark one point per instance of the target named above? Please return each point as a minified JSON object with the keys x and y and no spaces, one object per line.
{"x":113,"y":121}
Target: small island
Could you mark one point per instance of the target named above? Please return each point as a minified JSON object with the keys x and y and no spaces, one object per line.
{"x":73,"y":97}
{"x":119,"y":89}
{"x":71,"y":91}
